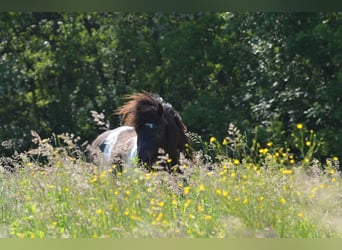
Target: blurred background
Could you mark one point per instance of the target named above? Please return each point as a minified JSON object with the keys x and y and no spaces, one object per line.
{"x":265,"y":70}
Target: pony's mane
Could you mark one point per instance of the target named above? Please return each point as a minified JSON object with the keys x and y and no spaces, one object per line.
{"x":146,"y":107}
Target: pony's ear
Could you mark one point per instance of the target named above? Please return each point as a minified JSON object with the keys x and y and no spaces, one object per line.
{"x":159,"y":109}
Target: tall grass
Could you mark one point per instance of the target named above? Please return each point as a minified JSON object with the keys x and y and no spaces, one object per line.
{"x":249,"y":191}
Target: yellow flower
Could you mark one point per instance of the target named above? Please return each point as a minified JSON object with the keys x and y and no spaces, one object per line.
{"x":287,"y":171}
{"x":269,"y":144}
{"x":308,"y":143}
{"x":200,"y":208}
{"x":207,"y":217}
{"x":245,"y":201}
{"x":186,"y":190}
{"x":160,"y":215}
{"x":300,"y":214}
{"x":187,"y":203}
{"x":201,"y":187}
{"x":94,"y":179}
{"x":261,"y":198}
{"x":161,"y":204}
{"x":283,"y":201}
{"x":218,"y":191}
{"x":212,"y":139}
{"x":225,"y":141}
{"x":299,"y":125}
{"x":99,"y":211}
{"x":263,"y":151}
{"x":236,"y":161}
{"x":233,"y":175}
{"x":335,"y":158}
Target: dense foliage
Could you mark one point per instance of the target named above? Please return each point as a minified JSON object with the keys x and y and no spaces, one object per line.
{"x":271,"y":70}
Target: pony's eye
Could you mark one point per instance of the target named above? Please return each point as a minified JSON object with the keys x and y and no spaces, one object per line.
{"x":150,"y":125}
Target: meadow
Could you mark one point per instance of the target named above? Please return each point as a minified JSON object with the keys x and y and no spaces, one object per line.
{"x":231,"y":189}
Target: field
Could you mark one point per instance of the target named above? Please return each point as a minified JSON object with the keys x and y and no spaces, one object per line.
{"x":228,"y":190}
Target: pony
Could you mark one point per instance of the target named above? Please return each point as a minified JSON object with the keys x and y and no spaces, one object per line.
{"x":150,"y":128}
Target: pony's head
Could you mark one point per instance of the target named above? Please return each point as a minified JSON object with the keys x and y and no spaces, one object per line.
{"x":157,"y":126}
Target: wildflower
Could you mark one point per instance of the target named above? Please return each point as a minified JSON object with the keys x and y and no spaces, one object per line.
{"x":223,"y":172}
{"x":233,"y":175}
{"x":174,"y":202}
{"x":263,"y":151}
{"x":299,"y":125}
{"x":187,"y":203}
{"x":308,"y":143}
{"x":191,"y":216}
{"x":207,"y":217}
{"x":283,"y":201}
{"x":169,"y":160}
{"x":94,"y":179}
{"x":186,"y":190}
{"x":333,"y":180}
{"x":99,"y":211}
{"x":200,"y":208}
{"x":218,"y":191}
{"x":300,"y":214}
{"x":160,"y":215}
{"x":236,"y":161}
{"x":161,"y":204}
{"x":126,"y":211}
{"x":335,"y":158}
{"x":225,"y":193}
{"x":306,"y":160}
{"x":292,"y":161}
{"x":212,"y":139}
{"x":103,"y":174}
{"x":261,"y":198}
{"x":245,"y":201}
{"x":225,"y":141}
{"x":332,"y":171}
{"x":201,"y":187}
{"x":269,"y":144}
{"x":287,"y":171}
